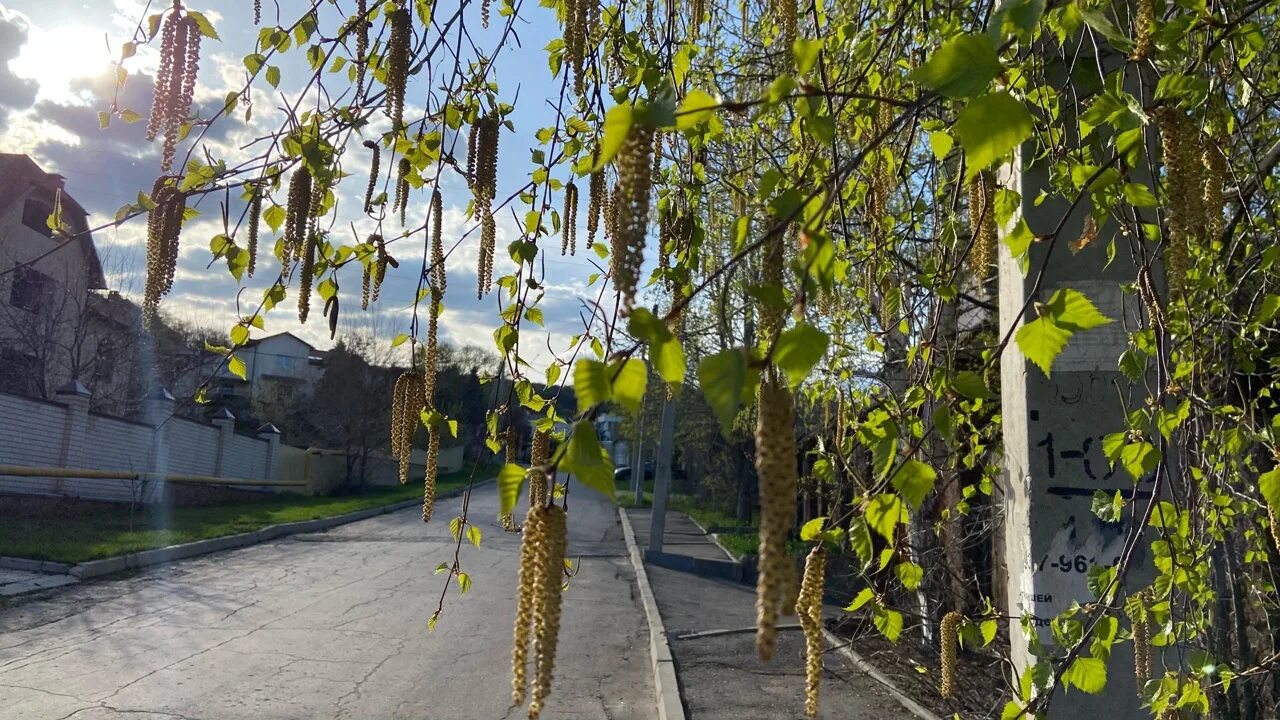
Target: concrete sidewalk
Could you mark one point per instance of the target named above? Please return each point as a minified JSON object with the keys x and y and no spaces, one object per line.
{"x":681,"y":536}
{"x":711,"y":630}
{"x":17,"y":582}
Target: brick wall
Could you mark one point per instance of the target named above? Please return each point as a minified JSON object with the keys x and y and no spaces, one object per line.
{"x":64,"y":434}
{"x":30,"y":431}
{"x":246,"y":457}
{"x":190,"y":444}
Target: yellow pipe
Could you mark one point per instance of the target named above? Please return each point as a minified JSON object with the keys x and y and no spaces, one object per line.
{"x":88,"y":474}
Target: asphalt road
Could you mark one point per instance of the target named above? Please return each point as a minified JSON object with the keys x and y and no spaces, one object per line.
{"x":332,"y":625}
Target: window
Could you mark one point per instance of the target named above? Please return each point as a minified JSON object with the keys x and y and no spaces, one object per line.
{"x":20,"y":373}
{"x":30,"y":289}
{"x":104,"y":361}
{"x":282,"y":392}
{"x":35,"y":215}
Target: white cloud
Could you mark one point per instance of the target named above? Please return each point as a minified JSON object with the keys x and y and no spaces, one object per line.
{"x":106,"y":168}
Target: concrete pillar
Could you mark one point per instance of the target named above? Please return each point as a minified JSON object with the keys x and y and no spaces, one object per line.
{"x":226,"y":424}
{"x":1053,"y":429}
{"x":271,"y":434}
{"x":157,"y":409}
{"x":661,"y":476}
{"x":76,"y":429}
{"x":637,"y":466}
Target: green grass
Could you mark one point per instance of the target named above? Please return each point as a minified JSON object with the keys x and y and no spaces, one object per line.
{"x":689,"y":505}
{"x":737,"y":543}
{"x":740,"y":544}
{"x":72,"y":531}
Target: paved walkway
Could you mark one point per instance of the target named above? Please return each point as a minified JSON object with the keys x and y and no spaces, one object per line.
{"x":332,"y":625}
{"x":711,"y":629}
{"x":681,"y":535}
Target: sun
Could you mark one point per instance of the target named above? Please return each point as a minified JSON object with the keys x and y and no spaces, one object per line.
{"x":55,"y":56}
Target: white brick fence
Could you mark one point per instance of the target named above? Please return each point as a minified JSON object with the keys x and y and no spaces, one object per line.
{"x":59,"y":447}
{"x":101,"y":457}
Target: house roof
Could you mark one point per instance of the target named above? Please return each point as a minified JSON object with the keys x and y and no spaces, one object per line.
{"x":256,"y":341}
{"x":18,"y":173}
{"x":113,"y":307}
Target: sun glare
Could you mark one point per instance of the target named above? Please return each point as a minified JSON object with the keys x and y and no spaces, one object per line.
{"x":54,"y":57}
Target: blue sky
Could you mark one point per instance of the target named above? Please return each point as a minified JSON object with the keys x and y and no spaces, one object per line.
{"x":55,"y":65}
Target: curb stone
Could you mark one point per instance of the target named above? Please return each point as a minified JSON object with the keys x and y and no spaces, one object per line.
{"x":156,"y":556}
{"x":666,"y":686}
{"x":715,"y":538}
{"x":903,"y":699}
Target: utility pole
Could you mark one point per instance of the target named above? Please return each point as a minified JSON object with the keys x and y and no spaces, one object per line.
{"x":662,"y":476}
{"x":1053,"y":429}
{"x":637,"y":464}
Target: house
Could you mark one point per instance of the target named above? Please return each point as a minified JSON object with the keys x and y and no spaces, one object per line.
{"x":609,"y":432}
{"x":281,"y":367}
{"x":56,"y":319}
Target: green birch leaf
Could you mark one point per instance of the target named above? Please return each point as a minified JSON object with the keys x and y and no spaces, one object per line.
{"x":617,"y":125}
{"x":798,"y":350}
{"x":812,"y":529}
{"x":963,"y":67}
{"x":1086,"y":674}
{"x":989,"y":128}
{"x":629,"y":384}
{"x":889,"y":623}
{"x":509,"y":479}
{"x":695,"y":109}
{"x":1042,"y":341}
{"x":722,"y":377}
{"x":884,"y":512}
{"x":1269,"y":486}
{"x":591,"y":382}
{"x":914,"y":480}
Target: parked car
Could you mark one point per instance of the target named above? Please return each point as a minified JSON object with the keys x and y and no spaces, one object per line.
{"x":623,"y":474}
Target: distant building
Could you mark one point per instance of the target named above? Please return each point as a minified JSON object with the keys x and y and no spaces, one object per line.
{"x":57,"y":322}
{"x":281,"y":367}
{"x":609,"y":432}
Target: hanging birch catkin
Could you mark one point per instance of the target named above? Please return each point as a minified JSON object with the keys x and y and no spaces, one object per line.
{"x":511,"y":444}
{"x":397,"y":59}
{"x":982,"y":225}
{"x":949,"y":632}
{"x":631,"y":205}
{"x":569,"y":220}
{"x":809,"y":611}
{"x":175,"y":80}
{"x":538,"y":457}
{"x":535,"y":535}
{"x":254,"y":222}
{"x":546,"y":627}
{"x":407,"y":402}
{"x":596,"y":192}
{"x":164,"y":225}
{"x":776,"y":469}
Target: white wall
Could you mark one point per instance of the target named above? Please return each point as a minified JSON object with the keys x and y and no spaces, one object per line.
{"x":48,"y":334}
{"x":64,"y":434}
{"x":32,"y":430}
{"x":279,"y":360}
{"x":75,"y":331}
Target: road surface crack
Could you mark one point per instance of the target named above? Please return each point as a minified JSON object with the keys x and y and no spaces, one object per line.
{"x":340,"y":703}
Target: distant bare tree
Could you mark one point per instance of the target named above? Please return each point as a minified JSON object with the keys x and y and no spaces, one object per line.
{"x":351,"y":407}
